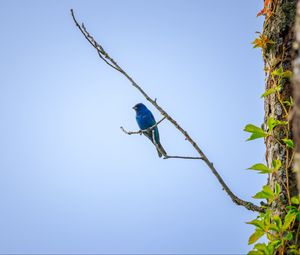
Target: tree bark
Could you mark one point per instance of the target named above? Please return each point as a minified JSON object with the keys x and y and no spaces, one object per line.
{"x":279,"y":28}
{"x":296,"y":92}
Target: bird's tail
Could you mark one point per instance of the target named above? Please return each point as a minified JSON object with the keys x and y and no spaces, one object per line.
{"x":160,"y":150}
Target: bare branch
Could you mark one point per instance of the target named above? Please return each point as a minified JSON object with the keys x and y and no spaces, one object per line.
{"x":139,"y":132}
{"x":132,"y":132}
{"x":108,"y":60}
{"x":142,"y":131}
{"x":182,"y":157}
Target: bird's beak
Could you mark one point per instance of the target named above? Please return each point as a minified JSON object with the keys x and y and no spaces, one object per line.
{"x":134,"y":107}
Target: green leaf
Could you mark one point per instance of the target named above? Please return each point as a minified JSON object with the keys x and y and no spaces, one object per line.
{"x":261,"y":195}
{"x":256,"y":136}
{"x":287,"y":74}
{"x":277,"y":189}
{"x":255,"y":236}
{"x":288,"y":219}
{"x":272,"y":123}
{"x":278,"y":72}
{"x":254,"y":253}
{"x":271,"y":91}
{"x":293,"y":250}
{"x":266,"y":193}
{"x":257,"y":223}
{"x":263,"y":249}
{"x":295,"y":200}
{"x":259,"y":249}
{"x":283,"y":74}
{"x":292,"y":209}
{"x":253,"y":129}
{"x":278,"y":222}
{"x":273,"y":227}
{"x":276,"y":163}
{"x":274,"y":244}
{"x":268,"y":190}
{"x":263,"y":169}
{"x":270,"y":236}
{"x":288,"y":236}
{"x":257,"y":132}
{"x":268,"y":92}
{"x":267,"y":218}
{"x":289,"y":142}
{"x":260,"y":246}
{"x":288,"y":103}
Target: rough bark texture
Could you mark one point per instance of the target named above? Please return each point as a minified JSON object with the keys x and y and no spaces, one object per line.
{"x":279,"y":29}
{"x":296,"y":92}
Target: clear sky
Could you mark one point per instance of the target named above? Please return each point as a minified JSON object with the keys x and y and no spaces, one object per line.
{"x":71,"y":181}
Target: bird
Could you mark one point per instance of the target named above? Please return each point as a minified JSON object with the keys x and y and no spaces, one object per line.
{"x":145,"y":119}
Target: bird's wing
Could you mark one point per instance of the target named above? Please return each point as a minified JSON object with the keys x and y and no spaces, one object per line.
{"x":151,"y":118}
{"x":145,"y":120}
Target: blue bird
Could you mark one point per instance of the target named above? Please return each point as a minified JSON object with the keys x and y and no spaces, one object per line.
{"x":145,"y":119}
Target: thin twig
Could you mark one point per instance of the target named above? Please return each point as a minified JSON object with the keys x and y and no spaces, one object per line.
{"x":142,"y":130}
{"x":132,"y":132}
{"x":156,"y":124}
{"x":165,"y":156}
{"x":139,"y":132}
{"x":108,"y":60}
{"x":182,"y":157}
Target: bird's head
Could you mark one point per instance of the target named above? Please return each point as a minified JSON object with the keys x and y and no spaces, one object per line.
{"x":139,"y":107}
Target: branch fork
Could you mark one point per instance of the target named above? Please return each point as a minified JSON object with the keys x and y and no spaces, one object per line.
{"x":150,"y":129}
{"x":112,"y":63}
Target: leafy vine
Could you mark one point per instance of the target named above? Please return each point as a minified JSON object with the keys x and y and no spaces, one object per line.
{"x":281,"y":230}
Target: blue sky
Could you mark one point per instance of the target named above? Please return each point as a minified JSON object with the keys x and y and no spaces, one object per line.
{"x":71,"y":181}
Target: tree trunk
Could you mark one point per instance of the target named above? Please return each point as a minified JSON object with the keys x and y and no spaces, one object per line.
{"x":296,"y":92}
{"x":279,"y":28}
